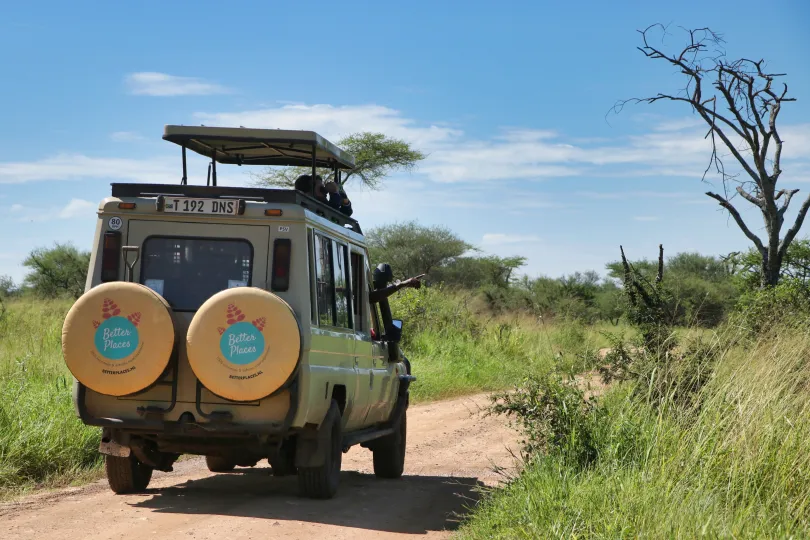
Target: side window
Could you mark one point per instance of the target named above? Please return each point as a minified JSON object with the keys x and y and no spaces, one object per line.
{"x":313,"y":302}
{"x":342,"y":290}
{"x":375,"y":312}
{"x":324,"y":281}
{"x":358,"y":267}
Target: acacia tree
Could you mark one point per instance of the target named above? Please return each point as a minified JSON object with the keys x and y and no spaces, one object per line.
{"x":414,"y":249}
{"x":376,"y":156}
{"x":57,"y":271}
{"x":740,"y":101}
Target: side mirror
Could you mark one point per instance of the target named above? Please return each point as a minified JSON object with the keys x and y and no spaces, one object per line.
{"x":394,"y":332}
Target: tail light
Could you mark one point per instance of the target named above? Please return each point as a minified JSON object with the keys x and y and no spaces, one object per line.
{"x":281,"y":264}
{"x":111,"y":256}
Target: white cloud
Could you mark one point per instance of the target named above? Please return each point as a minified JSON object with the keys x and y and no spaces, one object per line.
{"x":150,"y":83}
{"x":499,"y":239}
{"x":81,"y":167}
{"x":670,"y":148}
{"x":126,"y":136}
{"x":336,"y":122}
{"x":78,"y":208}
{"x":17,"y":208}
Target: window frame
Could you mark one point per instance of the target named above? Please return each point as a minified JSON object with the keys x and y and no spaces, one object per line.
{"x":335,"y":244}
{"x":341,"y":250}
{"x":317,"y":236}
{"x":143,"y":258}
{"x":359,"y":298}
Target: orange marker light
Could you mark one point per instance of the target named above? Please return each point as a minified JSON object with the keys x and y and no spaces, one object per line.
{"x":127,"y":205}
{"x":274,"y":212}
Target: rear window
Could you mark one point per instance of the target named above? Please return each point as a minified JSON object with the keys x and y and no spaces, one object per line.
{"x":188,"y":271}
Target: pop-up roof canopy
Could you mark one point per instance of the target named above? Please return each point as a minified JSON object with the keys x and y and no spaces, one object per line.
{"x":245,"y":146}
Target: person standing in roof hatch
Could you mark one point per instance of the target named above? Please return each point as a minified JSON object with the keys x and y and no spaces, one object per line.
{"x":331,"y":194}
{"x":338,"y":198}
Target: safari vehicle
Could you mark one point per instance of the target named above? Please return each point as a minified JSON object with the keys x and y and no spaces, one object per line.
{"x":235,"y":323}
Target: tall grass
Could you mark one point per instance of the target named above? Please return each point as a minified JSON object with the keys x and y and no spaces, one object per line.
{"x":455,"y":351}
{"x":42,"y":443}
{"x":733,"y":464}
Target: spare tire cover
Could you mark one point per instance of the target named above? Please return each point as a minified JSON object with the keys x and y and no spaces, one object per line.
{"x":244,"y":343}
{"x":118,"y":338}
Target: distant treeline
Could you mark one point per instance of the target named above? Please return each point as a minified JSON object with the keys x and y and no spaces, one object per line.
{"x":704,"y":289}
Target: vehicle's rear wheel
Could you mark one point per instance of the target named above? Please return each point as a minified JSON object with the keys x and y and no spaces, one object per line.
{"x":321,"y":482}
{"x":389,"y":452}
{"x":127,"y":474}
{"x":219,"y":463}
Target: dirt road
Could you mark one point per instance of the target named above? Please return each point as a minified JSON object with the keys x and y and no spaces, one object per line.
{"x":452,"y":450}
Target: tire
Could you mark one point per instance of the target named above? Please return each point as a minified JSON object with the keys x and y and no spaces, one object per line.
{"x":267,"y":330}
{"x":322,"y":482}
{"x":118,"y":338}
{"x":127,"y":474}
{"x":389,"y":452}
{"x":219,"y":464}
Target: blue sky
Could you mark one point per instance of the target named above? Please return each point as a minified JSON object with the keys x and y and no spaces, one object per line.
{"x":508,"y":99}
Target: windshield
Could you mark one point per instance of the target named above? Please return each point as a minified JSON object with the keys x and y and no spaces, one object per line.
{"x":188,"y":271}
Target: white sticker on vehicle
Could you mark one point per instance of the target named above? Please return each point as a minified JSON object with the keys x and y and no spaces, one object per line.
{"x":283,"y":228}
{"x":156,"y":285}
{"x":236,"y":283}
{"x":115,"y":223}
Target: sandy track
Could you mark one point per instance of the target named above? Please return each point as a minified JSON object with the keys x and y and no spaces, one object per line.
{"x":452,"y":450}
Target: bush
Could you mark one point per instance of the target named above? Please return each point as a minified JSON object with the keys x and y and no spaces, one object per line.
{"x":57,"y":272}
{"x":786,"y":305}
{"x":554,"y":417}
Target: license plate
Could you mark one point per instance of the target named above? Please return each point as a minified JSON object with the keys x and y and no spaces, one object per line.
{"x":188,"y":205}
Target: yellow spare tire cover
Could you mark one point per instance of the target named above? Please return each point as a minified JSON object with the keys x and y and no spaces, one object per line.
{"x":118,"y":338}
{"x":243,"y":343}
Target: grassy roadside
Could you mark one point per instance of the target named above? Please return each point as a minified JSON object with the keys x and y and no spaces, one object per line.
{"x":453,"y":352}
{"x":42,"y":443}
{"x":733,"y":465}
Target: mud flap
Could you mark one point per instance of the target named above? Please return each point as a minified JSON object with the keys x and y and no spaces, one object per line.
{"x":112,"y":448}
{"x":312,"y":445}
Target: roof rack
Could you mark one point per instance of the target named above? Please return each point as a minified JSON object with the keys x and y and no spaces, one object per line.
{"x":247,"y":146}
{"x":279,"y":196}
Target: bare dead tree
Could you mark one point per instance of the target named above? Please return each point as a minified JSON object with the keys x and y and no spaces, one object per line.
{"x":740,"y":102}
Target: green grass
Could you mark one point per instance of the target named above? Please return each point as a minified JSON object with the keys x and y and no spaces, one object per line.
{"x":736,"y":466}
{"x":42,"y":443}
{"x":454,"y":351}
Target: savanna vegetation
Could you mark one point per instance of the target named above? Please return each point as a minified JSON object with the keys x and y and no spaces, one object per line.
{"x":702,"y":425}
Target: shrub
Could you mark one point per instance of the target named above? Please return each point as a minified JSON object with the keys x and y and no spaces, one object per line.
{"x":762,"y":311}
{"x":554,"y":417}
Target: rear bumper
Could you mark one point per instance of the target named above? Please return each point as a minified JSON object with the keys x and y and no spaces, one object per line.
{"x":216,"y":423}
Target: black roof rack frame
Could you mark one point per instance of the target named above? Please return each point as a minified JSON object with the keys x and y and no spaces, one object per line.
{"x":280,"y":196}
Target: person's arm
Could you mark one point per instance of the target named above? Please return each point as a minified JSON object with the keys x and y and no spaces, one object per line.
{"x":378,"y":295}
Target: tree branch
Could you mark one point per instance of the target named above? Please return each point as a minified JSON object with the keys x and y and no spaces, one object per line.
{"x":793,"y":231}
{"x":738,"y":219}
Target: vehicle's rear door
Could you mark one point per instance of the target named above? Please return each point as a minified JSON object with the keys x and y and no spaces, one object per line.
{"x":188,"y":262}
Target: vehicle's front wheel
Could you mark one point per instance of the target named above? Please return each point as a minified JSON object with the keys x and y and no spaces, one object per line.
{"x":389,"y":451}
{"x":321,"y":482}
{"x":127,"y":474}
{"x":219,"y":463}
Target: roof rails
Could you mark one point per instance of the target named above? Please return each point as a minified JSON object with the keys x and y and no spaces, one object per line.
{"x":279,"y":196}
